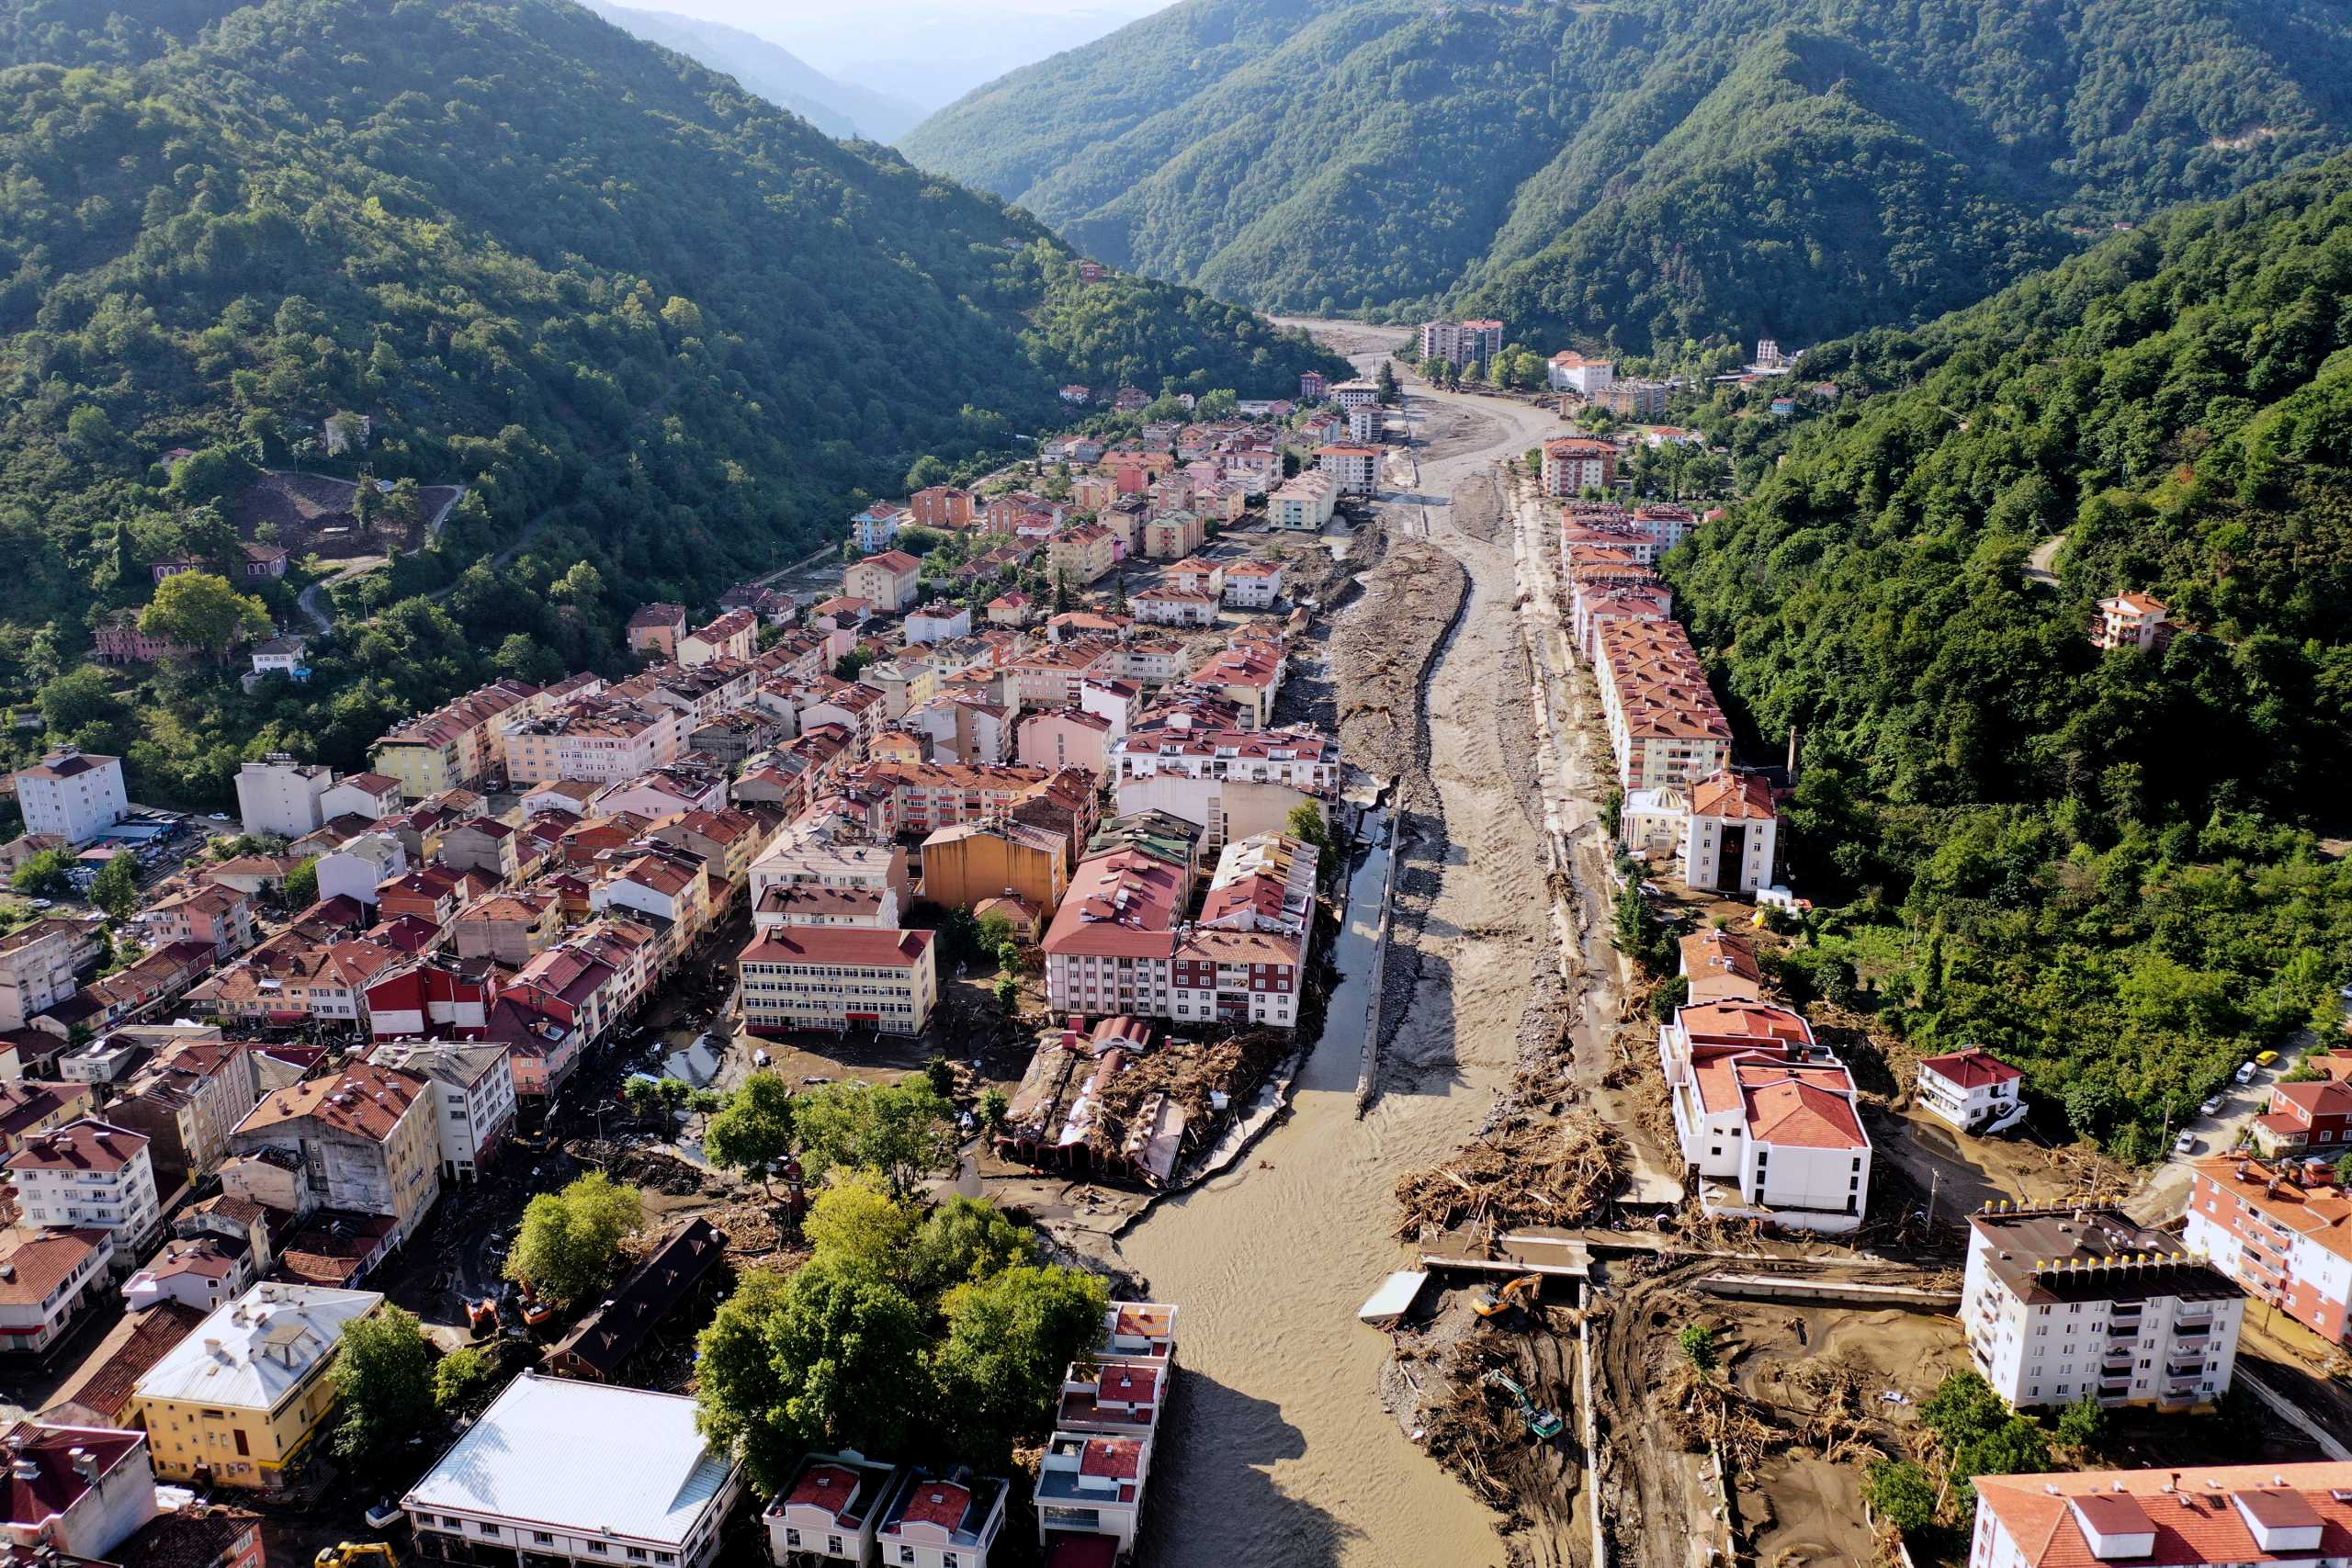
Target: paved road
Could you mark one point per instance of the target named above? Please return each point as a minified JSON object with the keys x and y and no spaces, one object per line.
{"x":313,"y":600}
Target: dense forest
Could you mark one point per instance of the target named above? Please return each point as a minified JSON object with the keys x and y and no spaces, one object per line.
{"x":2123,"y":868}
{"x":654,"y":324}
{"x":1642,"y":170}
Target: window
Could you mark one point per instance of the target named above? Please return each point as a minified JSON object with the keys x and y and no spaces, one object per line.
{"x":545,"y":1537}
{"x":636,"y":1553}
{"x":487,"y":1529}
{"x":906,"y":1554}
{"x":833,"y":1544}
{"x":599,"y":1548}
{"x":792,"y":1538}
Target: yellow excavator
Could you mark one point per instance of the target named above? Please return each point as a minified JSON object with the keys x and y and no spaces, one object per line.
{"x":358,"y":1555}
{"x":1520,"y":1292}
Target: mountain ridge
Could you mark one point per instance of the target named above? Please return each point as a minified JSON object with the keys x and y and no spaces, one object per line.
{"x":766,"y":68}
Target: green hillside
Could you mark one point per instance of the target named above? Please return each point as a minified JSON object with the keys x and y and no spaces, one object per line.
{"x":2108,"y":864}
{"x":1639,"y":169}
{"x":656,"y":325}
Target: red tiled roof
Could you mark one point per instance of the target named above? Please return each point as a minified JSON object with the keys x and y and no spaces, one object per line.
{"x":2196,"y":1515}
{"x":1971,"y":1069}
{"x":941,"y":1503}
{"x":861,"y":945}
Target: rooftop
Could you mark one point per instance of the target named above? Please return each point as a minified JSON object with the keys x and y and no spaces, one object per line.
{"x":255,"y":1350}
{"x":2052,"y":1254}
{"x":648,"y":1474}
{"x":2212,"y":1513}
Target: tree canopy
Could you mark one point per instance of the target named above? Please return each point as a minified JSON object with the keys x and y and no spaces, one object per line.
{"x":568,"y":1239}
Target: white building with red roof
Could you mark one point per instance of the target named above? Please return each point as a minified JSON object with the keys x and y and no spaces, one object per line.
{"x":888,"y":581}
{"x":1971,"y":1090}
{"x":831,"y":1510}
{"x":80,"y":1490}
{"x":2131,"y":620}
{"x":937,"y":1519}
{"x":1093,"y":1484}
{"x":1765,"y":1117}
{"x":2296,"y":1515}
{"x":838,"y":977}
{"x":1355,"y":468}
{"x":88,"y":1174}
{"x":1730,"y":837}
{"x":2283,"y":1230}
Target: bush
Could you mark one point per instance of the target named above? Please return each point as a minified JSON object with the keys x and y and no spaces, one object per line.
{"x":1901,"y":1495}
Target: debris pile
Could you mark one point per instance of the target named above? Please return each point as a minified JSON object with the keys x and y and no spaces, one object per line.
{"x":654,"y":1169}
{"x":1381,"y":651}
{"x":1551,"y":1173}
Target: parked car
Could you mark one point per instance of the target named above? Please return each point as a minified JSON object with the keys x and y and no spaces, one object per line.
{"x":384,"y":1515}
{"x":2212,"y":1107}
{"x":2245,"y":1073}
{"x":2266,"y":1058}
{"x":2185,"y":1144}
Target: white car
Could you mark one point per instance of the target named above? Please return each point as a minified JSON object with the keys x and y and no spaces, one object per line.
{"x":2212,"y":1107}
{"x":2245,"y":1073}
{"x":2185,"y":1144}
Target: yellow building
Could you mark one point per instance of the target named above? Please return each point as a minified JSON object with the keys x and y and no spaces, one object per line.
{"x":239,"y":1401}
{"x":976,"y":860}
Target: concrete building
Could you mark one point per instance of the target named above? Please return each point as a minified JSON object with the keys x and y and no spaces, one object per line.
{"x":1573,"y":464}
{"x":372,"y":795}
{"x":1091,"y":1485}
{"x":365,"y":1139}
{"x":2131,"y":620}
{"x":241,"y":1399}
{"x":280,"y":796}
{"x":1461,"y":343}
{"x":89,"y":1175}
{"x":1572,"y":372}
{"x":2062,"y":1304}
{"x":2281,"y":1516}
{"x":361,"y":866}
{"x":521,"y":1485}
{"x":41,"y":965}
{"x":2283,"y":1230}
{"x":47,"y":1280}
{"x":889,"y":580}
{"x":458,"y":744}
{"x":1970,"y":1090}
{"x":1730,"y":837}
{"x":830,"y":1511}
{"x":838,"y":977}
{"x":943,"y":1520}
{"x":1765,"y":1117}
{"x":473,"y":1092}
{"x":78,"y":1491}
{"x":1304,"y":503}
{"x":1354,"y":468}
{"x":971,"y":862}
{"x":72,"y":795}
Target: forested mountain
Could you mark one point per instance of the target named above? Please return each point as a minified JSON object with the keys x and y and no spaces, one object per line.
{"x":656,"y":325}
{"x":775,"y":72}
{"x":2106,"y":864}
{"x":1644,"y":169}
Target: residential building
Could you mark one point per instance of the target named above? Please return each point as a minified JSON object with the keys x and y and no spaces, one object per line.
{"x":970,"y":862}
{"x":1305,"y":503}
{"x":1304,"y":760}
{"x":1573,"y":464}
{"x":603,"y":738}
{"x":1069,"y":738}
{"x":827,"y":851}
{"x":241,"y":1400}
{"x":198,"y":1273}
{"x":941,"y":506}
{"x":830,"y":1511}
{"x":2281,"y":1228}
{"x":1080,"y":554}
{"x":1170,"y":535}
{"x":939,"y":621}
{"x":877,"y":528}
{"x":1572,"y":372}
{"x":734,"y":635}
{"x":1253,"y":584}
{"x":1354,"y":468}
{"x":513,"y":928}
{"x":1312,"y":385}
{"x":1969,"y":1089}
{"x":1165,"y":606}
{"x":72,"y":793}
{"x":838,"y":977}
{"x":217,"y":917}
{"x":473,"y":1090}
{"x":40,"y":967}
{"x":605,"y":1338}
{"x":47,"y":1278}
{"x":2293,"y":1516}
{"x":365,"y":1139}
{"x":1633,"y":400}
{"x":655,"y":628}
{"x":2068,"y":1303}
{"x":89,"y":1175}
{"x":1728,"y":840}
{"x":287,"y":654}
{"x":30,"y":1107}
{"x":1091,"y":1485}
{"x":649,"y":1490}
{"x":458,"y":744}
{"x":1461,"y":343}
{"x":280,"y":796}
{"x":1665,"y":726}
{"x":361,"y":866}
{"x":76,"y":1492}
{"x":185,"y":1102}
{"x":1765,"y":1116}
{"x":2311,"y":1118}
{"x":938,"y":1520}
{"x":372,"y":795}
{"x":2131,"y":620}
{"x":889,"y":579}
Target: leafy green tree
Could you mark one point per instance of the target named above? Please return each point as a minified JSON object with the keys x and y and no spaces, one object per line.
{"x":856,"y":1224}
{"x":91,"y":433}
{"x":994,"y":1105}
{"x":966,"y":1240}
{"x":301,"y":886}
{"x":1901,"y":1495}
{"x":116,"y":888}
{"x":384,"y":1382}
{"x":754,"y":1130}
{"x":569,"y":1238}
{"x":1009,"y":1338}
{"x":464,"y":1381}
{"x":993,"y":929}
{"x":939,"y":1074}
{"x":1008,"y":994}
{"x":2082,"y":1425}
{"x":80,"y":698}
{"x":1698,"y":1342}
{"x":905,"y":1131}
{"x":201,"y":611}
{"x":43,"y":875}
{"x":643,"y":1097}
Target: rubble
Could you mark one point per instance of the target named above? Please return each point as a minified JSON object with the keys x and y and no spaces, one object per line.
{"x":1549,"y":1173}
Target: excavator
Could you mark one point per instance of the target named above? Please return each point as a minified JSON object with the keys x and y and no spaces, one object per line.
{"x":481,"y":1314}
{"x":358,"y":1555}
{"x":1542,"y":1425}
{"x":1520,"y":1292}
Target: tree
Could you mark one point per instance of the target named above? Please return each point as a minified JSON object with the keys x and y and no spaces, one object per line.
{"x":464,"y":1381}
{"x":1978,"y":1433}
{"x":44,"y":875}
{"x":1008,"y":994}
{"x":83,"y":696}
{"x":301,"y":886}
{"x":994,"y":1104}
{"x":1384,"y":379}
{"x":833,"y":1358}
{"x":116,"y":888}
{"x":90,"y":433}
{"x":993,"y":930}
{"x":1901,"y":1495}
{"x":643,"y":1097}
{"x":1698,"y":1342}
{"x":1306,"y":824}
{"x":2343,"y":1170}
{"x":201,"y":611}
{"x":753,"y":1131}
{"x":569,"y":1238}
{"x":383,"y":1380}
{"x":1009,"y":1338}
{"x":904,"y":1132}
{"x":966,"y":1240}
{"x":939,"y":1074}
{"x":853,"y":1222}
{"x":2082,"y":1425}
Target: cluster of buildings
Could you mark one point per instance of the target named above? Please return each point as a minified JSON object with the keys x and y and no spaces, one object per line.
{"x":1088,"y":1497}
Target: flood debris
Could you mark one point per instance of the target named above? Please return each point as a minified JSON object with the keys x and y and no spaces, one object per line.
{"x":1526,"y":1173}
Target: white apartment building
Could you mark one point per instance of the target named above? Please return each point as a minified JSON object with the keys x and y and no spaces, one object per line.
{"x":1304,"y":504}
{"x":1572,"y":372}
{"x":838,"y":977}
{"x":38,"y":970}
{"x":473,"y":1094}
{"x":1461,"y":343}
{"x":1354,"y":468}
{"x":830,"y":1510}
{"x":1765,"y":1116}
{"x":1970,"y":1090}
{"x":360,"y":865}
{"x":88,"y":1175}
{"x":75,"y":795}
{"x":597,"y":739}
{"x":1730,"y":837}
{"x":2062,"y":1304}
{"x":278,"y":795}
{"x":1303,"y":758}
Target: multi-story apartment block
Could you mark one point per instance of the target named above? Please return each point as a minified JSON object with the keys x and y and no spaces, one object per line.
{"x":2069,"y":1303}
{"x":89,"y":1175}
{"x":278,"y":795}
{"x":1766,"y":1117}
{"x":71,"y":795}
{"x":365,"y":1139}
{"x":473,"y":1089}
{"x":1573,"y":464}
{"x":39,"y":966}
{"x":1354,"y":468}
{"x":2283,"y":1230}
{"x":460,"y":743}
{"x":838,"y":977}
{"x":1461,"y":343}
{"x":2280,"y":1516}
{"x":602,"y":739}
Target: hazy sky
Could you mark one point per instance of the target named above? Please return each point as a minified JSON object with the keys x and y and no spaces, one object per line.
{"x":928,"y":52}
